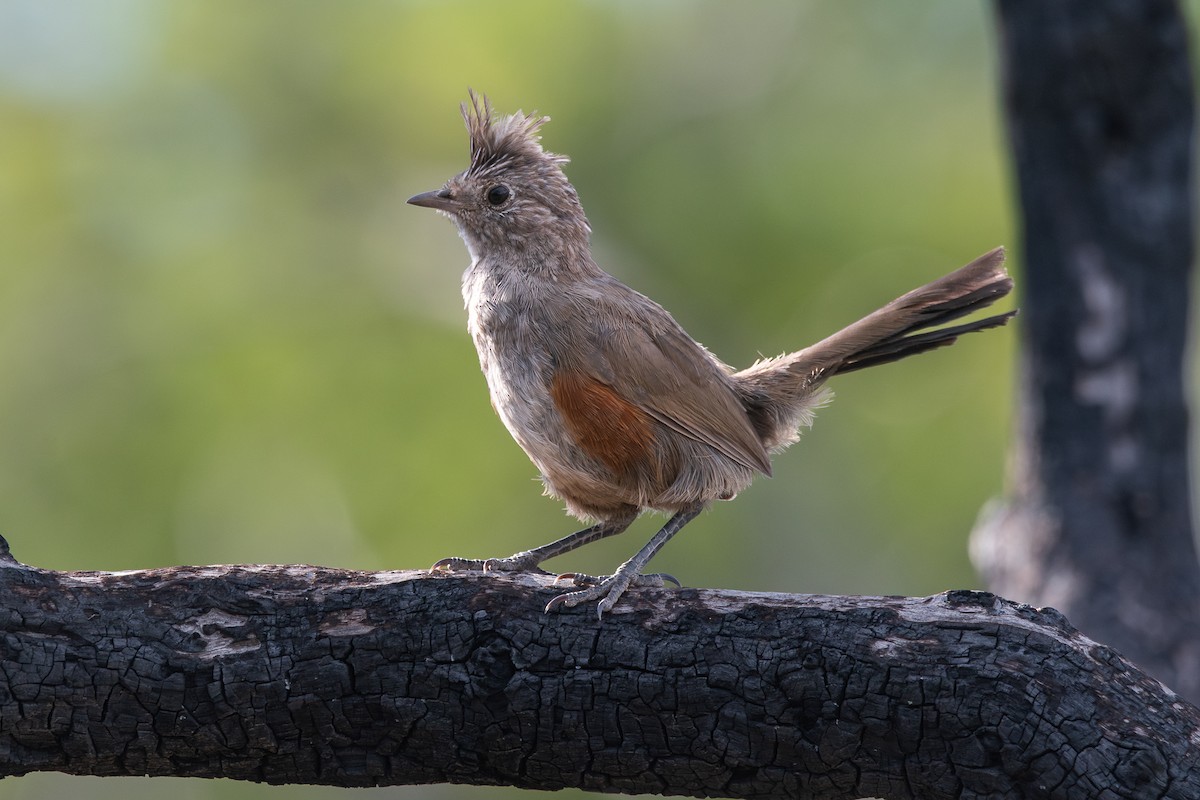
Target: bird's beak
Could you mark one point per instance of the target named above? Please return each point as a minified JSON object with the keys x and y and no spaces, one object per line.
{"x":440,"y":199}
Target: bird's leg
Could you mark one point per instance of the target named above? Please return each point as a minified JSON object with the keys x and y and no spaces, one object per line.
{"x":608,"y":590}
{"x":529,"y":560}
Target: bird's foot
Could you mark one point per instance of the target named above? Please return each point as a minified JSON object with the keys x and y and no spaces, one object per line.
{"x":606,"y":588}
{"x":655,"y":580}
{"x":517,"y":562}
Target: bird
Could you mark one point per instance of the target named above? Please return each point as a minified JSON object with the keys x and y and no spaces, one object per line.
{"x":618,"y":407}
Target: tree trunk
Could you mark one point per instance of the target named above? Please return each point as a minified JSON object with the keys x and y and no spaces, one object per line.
{"x":311,"y":675}
{"x":1099,"y":102}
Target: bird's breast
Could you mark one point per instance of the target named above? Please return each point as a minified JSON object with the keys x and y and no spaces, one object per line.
{"x":513,"y":340}
{"x":576,"y":428}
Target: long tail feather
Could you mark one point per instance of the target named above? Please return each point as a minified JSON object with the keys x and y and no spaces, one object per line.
{"x":781,"y":392}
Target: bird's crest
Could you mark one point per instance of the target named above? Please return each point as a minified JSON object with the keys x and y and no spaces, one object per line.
{"x":501,"y":141}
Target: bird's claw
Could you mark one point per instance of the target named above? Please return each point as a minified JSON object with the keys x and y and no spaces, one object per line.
{"x":655,"y":580}
{"x":452,"y":564}
{"x":663,"y":579}
{"x":607,"y":589}
{"x":520,"y":562}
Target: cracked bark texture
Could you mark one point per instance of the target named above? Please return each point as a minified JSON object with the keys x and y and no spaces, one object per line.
{"x":1100,"y":107}
{"x":311,"y":675}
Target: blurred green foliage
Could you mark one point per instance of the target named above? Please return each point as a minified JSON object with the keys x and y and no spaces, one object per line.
{"x":224,"y":338}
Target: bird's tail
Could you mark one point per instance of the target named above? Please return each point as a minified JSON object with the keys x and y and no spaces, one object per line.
{"x":781,"y":393}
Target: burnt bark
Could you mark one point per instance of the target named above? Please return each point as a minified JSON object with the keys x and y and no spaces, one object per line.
{"x":1099,"y":104}
{"x":311,"y":675}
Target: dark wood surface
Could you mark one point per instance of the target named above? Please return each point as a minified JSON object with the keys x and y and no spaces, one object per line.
{"x":296,"y":674}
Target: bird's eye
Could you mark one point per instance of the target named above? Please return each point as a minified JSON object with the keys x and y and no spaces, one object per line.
{"x":498,"y":194}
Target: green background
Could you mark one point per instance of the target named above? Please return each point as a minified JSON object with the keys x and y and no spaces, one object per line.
{"x":224,"y":338}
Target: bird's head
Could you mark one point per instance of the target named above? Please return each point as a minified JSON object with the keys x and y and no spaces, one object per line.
{"x":514,"y":195}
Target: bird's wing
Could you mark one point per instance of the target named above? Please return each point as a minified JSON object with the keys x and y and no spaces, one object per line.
{"x":648,"y":359}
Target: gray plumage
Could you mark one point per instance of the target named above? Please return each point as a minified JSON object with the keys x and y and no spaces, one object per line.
{"x":619,"y":408}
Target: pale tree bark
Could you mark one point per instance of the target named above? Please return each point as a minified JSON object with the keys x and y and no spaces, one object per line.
{"x":1099,"y":102}
{"x":311,"y":675}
